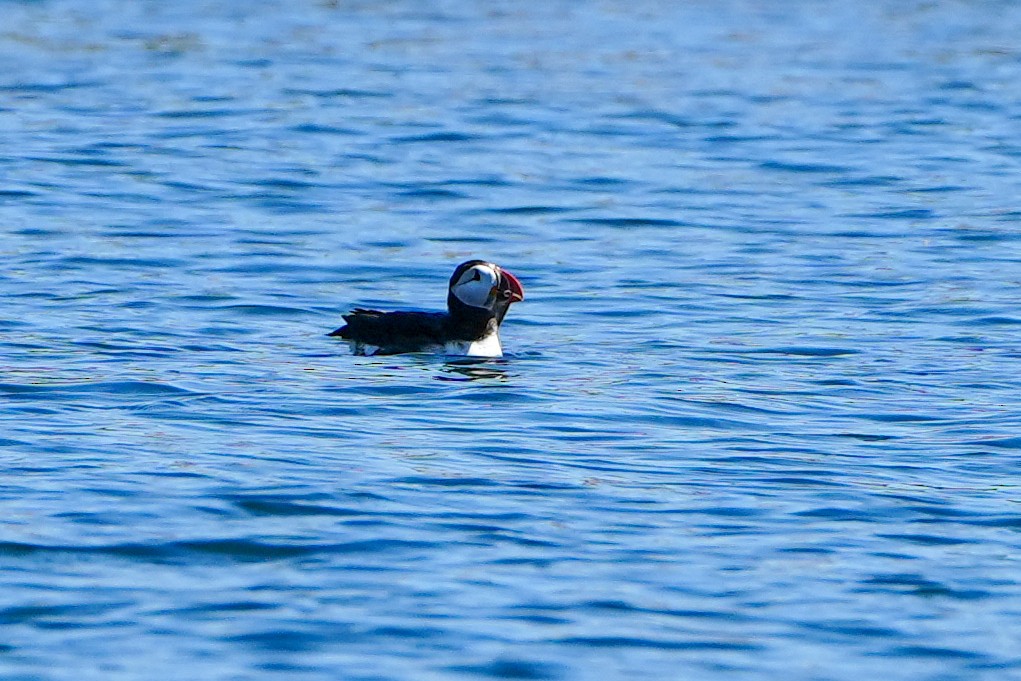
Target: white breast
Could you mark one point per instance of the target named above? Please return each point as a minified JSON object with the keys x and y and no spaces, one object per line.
{"x":488,"y":346}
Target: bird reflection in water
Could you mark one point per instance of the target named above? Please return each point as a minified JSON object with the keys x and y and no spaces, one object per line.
{"x":471,"y":370}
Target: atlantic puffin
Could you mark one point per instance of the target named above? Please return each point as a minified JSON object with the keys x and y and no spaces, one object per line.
{"x":478,"y":297}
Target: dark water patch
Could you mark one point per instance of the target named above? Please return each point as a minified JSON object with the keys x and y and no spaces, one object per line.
{"x":937,"y":189}
{"x":511,"y":668}
{"x":421,"y":633}
{"x":865,"y":437}
{"x":283,"y":184}
{"x":534,"y":618}
{"x":958,"y":84}
{"x":436,"y":137}
{"x":23,"y":614}
{"x":629,"y":222}
{"x":489,"y":531}
{"x":998,"y":443}
{"x":320,"y":129}
{"x":232,"y":550}
{"x":294,"y":641}
{"x":853,"y":629}
{"x":82,"y":261}
{"x":339,"y":93}
{"x":799,"y":351}
{"x":864,"y":181}
{"x":453,"y":481}
{"x":739,"y":139}
{"x":599,"y":182}
{"x":283,"y":507}
{"x":282,"y":203}
{"x":626,"y":642}
{"x":528,"y":210}
{"x":627,"y":607}
{"x":221,"y":608}
{"x":903,"y":214}
{"x":1010,"y":522}
{"x":389,"y":244}
{"x":81,"y":160}
{"x":432,"y":193}
{"x":994,"y":320}
{"x":188,"y":132}
{"x":668,"y":118}
{"x":204,"y":113}
{"x":840,"y":515}
{"x":809,"y":550}
{"x":38,"y":231}
{"x":917,"y":585}
{"x":57,"y":616}
{"x":870,"y":236}
{"x":801,"y":481}
{"x":934,"y":652}
{"x":718,"y":512}
{"x":1011,"y":216}
{"x":481,"y":179}
{"x":466,"y":239}
{"x":143,"y":388}
{"x":788,"y":167}
{"x":48,"y":88}
{"x":986,"y":237}
{"x":17,"y":193}
{"x":501,"y":119}
{"x":759,"y":296}
{"x":145,"y":235}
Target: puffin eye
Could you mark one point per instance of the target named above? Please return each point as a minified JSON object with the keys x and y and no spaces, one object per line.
{"x":476,"y":276}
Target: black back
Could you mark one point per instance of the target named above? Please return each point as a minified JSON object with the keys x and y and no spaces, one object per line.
{"x":397,"y":332}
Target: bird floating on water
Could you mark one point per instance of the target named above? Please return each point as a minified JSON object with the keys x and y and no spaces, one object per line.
{"x":478,"y":298}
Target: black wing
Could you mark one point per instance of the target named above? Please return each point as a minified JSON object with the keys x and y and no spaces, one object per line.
{"x":394,"y":332}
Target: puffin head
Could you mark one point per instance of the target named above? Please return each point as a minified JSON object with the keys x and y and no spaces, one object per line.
{"x":481,"y":284}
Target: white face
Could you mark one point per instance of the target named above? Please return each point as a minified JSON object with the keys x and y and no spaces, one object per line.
{"x":475,"y":287}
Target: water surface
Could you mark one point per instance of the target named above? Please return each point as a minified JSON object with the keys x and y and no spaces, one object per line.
{"x":758,"y":417}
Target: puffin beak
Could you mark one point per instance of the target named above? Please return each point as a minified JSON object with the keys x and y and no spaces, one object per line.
{"x":510,"y":287}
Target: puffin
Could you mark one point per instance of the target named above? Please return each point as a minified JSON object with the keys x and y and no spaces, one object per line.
{"x":478,"y":298}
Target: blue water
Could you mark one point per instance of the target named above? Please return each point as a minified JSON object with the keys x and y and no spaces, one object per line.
{"x":759,"y":415}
